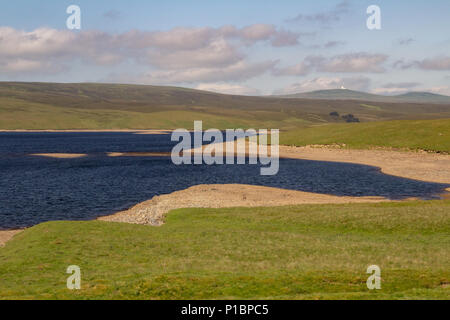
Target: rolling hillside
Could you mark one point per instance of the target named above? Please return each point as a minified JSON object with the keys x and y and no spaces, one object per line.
{"x":344,"y":94}
{"x":423,"y":97}
{"x":116,"y":106}
{"x":341,"y":94}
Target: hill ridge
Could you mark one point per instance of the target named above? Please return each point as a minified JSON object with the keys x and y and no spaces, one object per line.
{"x":347,"y":94}
{"x":43,"y":106}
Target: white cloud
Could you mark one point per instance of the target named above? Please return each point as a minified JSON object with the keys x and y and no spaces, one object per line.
{"x":300,"y":69}
{"x":325,"y":83}
{"x":177,"y":55}
{"x":21,"y":65}
{"x":175,"y":39}
{"x":437,"y":63}
{"x":440,"y":63}
{"x":237,"y":72}
{"x":285,"y":38}
{"x":445,"y":90}
{"x":404,"y":85}
{"x":335,"y":14}
{"x":345,"y":63}
{"x":227,"y":88}
{"x":257,"y":32}
{"x":354,"y":62}
{"x":36,"y":44}
{"x":218,"y":53}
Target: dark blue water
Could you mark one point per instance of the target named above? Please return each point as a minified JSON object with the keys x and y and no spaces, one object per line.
{"x":37,"y":189}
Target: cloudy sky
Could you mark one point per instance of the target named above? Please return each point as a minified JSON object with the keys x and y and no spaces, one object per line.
{"x":233,"y":46}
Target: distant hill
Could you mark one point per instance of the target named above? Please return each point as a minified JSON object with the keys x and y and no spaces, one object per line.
{"x":423,"y":97}
{"x":119,"y":106}
{"x":341,"y":94}
{"x":345,"y":94}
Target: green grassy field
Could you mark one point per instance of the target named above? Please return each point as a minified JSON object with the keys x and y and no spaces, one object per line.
{"x":298,"y":252}
{"x":430,"y":135}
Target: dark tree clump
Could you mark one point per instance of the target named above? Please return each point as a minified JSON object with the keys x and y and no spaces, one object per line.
{"x":350,"y":118}
{"x":334,"y":114}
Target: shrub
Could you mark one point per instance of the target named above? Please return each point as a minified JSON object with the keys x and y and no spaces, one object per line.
{"x":350,"y":118}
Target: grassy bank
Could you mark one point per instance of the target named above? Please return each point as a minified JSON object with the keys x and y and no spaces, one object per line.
{"x":300,"y":252}
{"x":432,"y":135}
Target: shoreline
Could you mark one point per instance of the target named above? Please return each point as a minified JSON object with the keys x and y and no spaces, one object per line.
{"x":406,"y":164}
{"x":137,"y":131}
{"x":416,"y":165}
{"x":422,"y":166}
{"x":153,"y":211}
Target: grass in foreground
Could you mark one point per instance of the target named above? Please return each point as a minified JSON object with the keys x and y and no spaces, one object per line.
{"x":298,"y":252}
{"x":430,"y":135}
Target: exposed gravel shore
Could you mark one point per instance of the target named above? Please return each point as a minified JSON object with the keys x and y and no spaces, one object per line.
{"x":59,"y":155}
{"x":431,"y":167}
{"x":152,"y":212}
{"x":417,"y":165}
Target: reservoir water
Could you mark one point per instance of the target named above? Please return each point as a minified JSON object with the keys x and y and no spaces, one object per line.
{"x":36,"y":189}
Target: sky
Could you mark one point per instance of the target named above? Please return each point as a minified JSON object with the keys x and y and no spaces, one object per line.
{"x":247,"y":47}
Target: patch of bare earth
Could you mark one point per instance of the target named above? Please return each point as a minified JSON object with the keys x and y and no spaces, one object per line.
{"x":153,"y":212}
{"x":138,"y":154}
{"x":431,"y":167}
{"x":425,"y":166}
{"x":5,"y":236}
{"x":60,"y":155}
